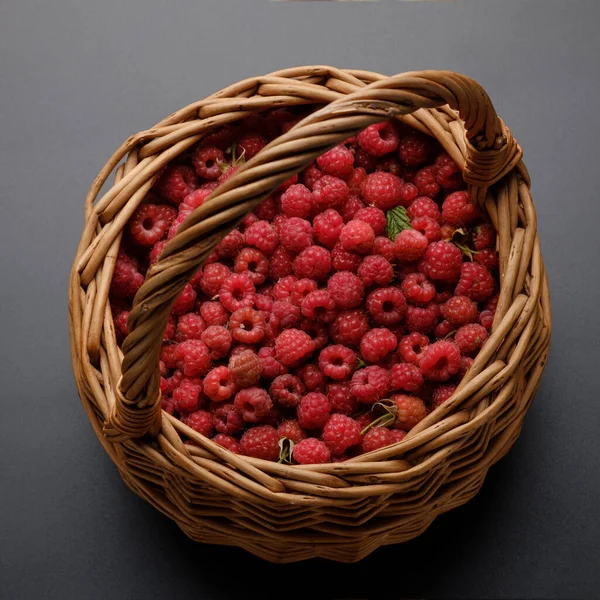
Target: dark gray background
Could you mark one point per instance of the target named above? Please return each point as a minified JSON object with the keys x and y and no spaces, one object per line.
{"x":77,"y":77}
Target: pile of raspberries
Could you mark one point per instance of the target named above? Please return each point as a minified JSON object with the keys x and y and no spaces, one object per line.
{"x":342,"y":311}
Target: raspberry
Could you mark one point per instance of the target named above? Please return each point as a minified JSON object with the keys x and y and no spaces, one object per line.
{"x":292,"y":345}
{"x":248,"y":220}
{"x":375,"y":269}
{"x":410,"y":245}
{"x":313,"y":410}
{"x":488,"y":258}
{"x":218,"y":385}
{"x":448,"y":173}
{"x":207,"y":162}
{"x":168,"y":405}
{"x":253,"y":403}
{"x":418,"y":289}
{"x":371,"y":384}
{"x":200,"y":421}
{"x":291,"y":430}
{"x":364,"y":160}
{"x":399,"y":435}
{"x":170,"y":329}
{"x":263,"y":303}
{"x":407,"y":377}
{"x":411,"y":346}
{"x":284,"y":315}
{"x":447,"y":231}
{"x":443,"y":329}
{"x":228,"y":419}
{"x":338,"y":161}
{"x":311,"y":376}
{"x":383,"y":190}
{"x":194,"y":357}
{"x":484,"y":236}
{"x":486,"y":318}
{"x":168,"y":355}
{"x":356,"y":178}
{"x":311,"y":452}
{"x":197,"y":197}
{"x":184,"y":212}
{"x":301,"y":289}
{"x":245,"y":368}
{"x":389,"y":165}
{"x":260,"y":442}
{"x":228,"y":442}
{"x":150,"y":223}
{"x":492,"y":303}
{"x":346,"y":289}
{"x":460,"y":310}
{"x":189,"y":327}
{"x":311,"y":175}
{"x":287,"y":390}
{"x":156,"y":251}
{"x":410,"y":411}
{"x":337,"y":361}
{"x":340,"y":433}
{"x":458,"y":210}
{"x":187,"y":394}
{"x":428,"y":227}
{"x":374,"y":217}
{"x":283,"y":288}
{"x":214,"y":313}
{"x":176,"y":183}
{"x":213,"y":277}
{"x":442,"y":393}
{"x":251,"y":144}
{"x":121,"y":322}
{"x":341,"y":398}
{"x":475,"y":282}
{"x":440,"y":360}
{"x":342,"y":260}
{"x":247,"y":325}
{"x":424,"y":207}
{"x":252,"y":263}
{"x":280,"y":265}
{"x":349,"y":328}
{"x":441,"y":261}
{"x":414,"y":149}
{"x":378,"y":139}
{"x":357,"y":236}
{"x":236,"y":292}
{"x":267,"y":209}
{"x":185,"y":301}
{"x":422,"y":318}
{"x":262,"y":235}
{"x":297,"y":201}
{"x":320,"y":306}
{"x":231,"y":244}
{"x":426,"y":183}
{"x":127,"y":279}
{"x":465,"y":365}
{"x":327,"y":227}
{"x":351,"y":207}
{"x":377,"y":343}
{"x":470,"y":338}
{"x":409,"y":192}
{"x":386,"y":306}
{"x":383,"y":246}
{"x":270,"y":367}
{"x":329,"y":192}
{"x":376,"y":438}
{"x":313,"y":263}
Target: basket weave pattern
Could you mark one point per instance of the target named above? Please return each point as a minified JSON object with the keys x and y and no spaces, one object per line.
{"x":286,"y":513}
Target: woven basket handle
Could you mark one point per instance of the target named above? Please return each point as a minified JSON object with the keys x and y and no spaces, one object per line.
{"x":491,"y":152}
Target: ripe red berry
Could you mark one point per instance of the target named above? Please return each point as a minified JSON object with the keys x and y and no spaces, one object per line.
{"x":311,"y":376}
{"x":383,"y":246}
{"x":296,"y":234}
{"x":290,"y":429}
{"x":352,"y":205}
{"x":448,"y":173}
{"x":329,"y":192}
{"x":410,"y":411}
{"x":237,"y":291}
{"x":340,"y":433}
{"x":374,"y":217}
{"x":228,"y":442}
{"x":442,"y":261}
{"x":194,"y":357}
{"x":338,"y":161}
{"x":375,"y":269}
{"x":410,"y":245}
{"x":251,"y":144}
{"x":207,"y":162}
{"x":187,"y":394}
{"x":176,"y":183}
{"x":357,"y":236}
{"x":200,"y":421}
{"x":287,"y":390}
{"x":218,"y":384}
{"x":343,"y":260}
{"x":440,"y":361}
{"x":377,"y":343}
{"x":260,"y":442}
{"x":245,"y":368}
{"x":293,"y":345}
{"x":247,"y":325}
{"x":371,"y":384}
{"x":297,"y":201}
{"x":253,"y":403}
{"x":311,"y":451}
{"x":418,"y":289}
{"x":387,"y":306}
{"x":313,"y":410}
{"x":150,"y":223}
{"x":470,"y":338}
{"x":458,"y":210}
{"x":407,"y":377}
{"x":377,"y":437}
{"x":378,"y":139}
{"x":349,"y":328}
{"x":442,"y":393}
{"x":337,"y":361}
{"x":411,"y":346}
{"x":476,"y":282}
{"x":341,"y":398}
{"x":262,"y":235}
{"x":460,"y":310}
{"x":383,"y":190}
{"x":426,"y":183}
{"x":422,"y":318}
{"x":313,"y":263}
{"x":428,"y":227}
{"x":346,"y":289}
{"x":414,"y":149}
{"x":327,"y":227}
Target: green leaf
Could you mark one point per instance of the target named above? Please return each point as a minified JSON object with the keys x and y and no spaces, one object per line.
{"x":397,"y":221}
{"x":360,"y":363}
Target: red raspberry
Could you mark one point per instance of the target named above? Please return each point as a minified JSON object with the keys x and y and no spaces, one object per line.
{"x":185,"y":301}
{"x":475,"y":282}
{"x":283,"y":288}
{"x":488,"y":258}
{"x":284,"y":315}
{"x":484,"y":236}
{"x":329,"y":192}
{"x":170,"y":328}
{"x":327,"y":227}
{"x":428,"y":227}
{"x":410,"y":245}
{"x":151,"y":222}
{"x":338,"y":161}
{"x":313,"y":410}
{"x":414,"y":149}
{"x":357,"y":236}
{"x":341,"y":398}
{"x":424,"y":207}
{"x":218,"y":385}
{"x":442,"y":261}
{"x":356,"y":178}
{"x":252,"y":263}
{"x":228,"y":419}
{"x":371,"y":384}
{"x":121,"y":323}
{"x":342,"y":260}
{"x":248,"y":220}
{"x":214,"y":313}
{"x":442,"y":393}
{"x":410,"y":411}
{"x":377,"y":343}
{"x":447,"y":231}
{"x":292,"y":345}
{"x":418,"y":289}
{"x":375,"y":269}
{"x":426,"y":183}
{"x":448,"y":173}
{"x":176,"y":183}
{"x":364,"y":160}
{"x":376,"y":438}
{"x":382,"y":190}
{"x":458,"y":210}
{"x":316,"y":331}
{"x":127,"y":279}
{"x":409,"y":192}
{"x":245,"y":368}
{"x":182,"y":215}
{"x":168,"y":355}
{"x":486,"y":318}
{"x":422,"y":318}
{"x":237,"y":291}
{"x":168,"y":405}
{"x":440,"y":361}
{"x":337,"y":361}
{"x":378,"y":139}
{"x":253,"y":403}
{"x":470,"y":338}
{"x":349,"y":328}
{"x":207,"y":162}
{"x":200,"y":421}
{"x":351,"y":207}
{"x":492,"y":303}
{"x":280,"y":265}
{"x":386,"y":306}
{"x":301,"y":289}
{"x":311,"y":452}
{"x":383,"y":246}
{"x":247,"y":325}
{"x":346,"y":289}
{"x":443,"y":329}
{"x":213,"y":277}
{"x":194,"y":357}
{"x":187,"y":394}
{"x":465,"y":365}
{"x":270,"y":367}
{"x":228,"y":442}
{"x":311,"y":376}
{"x":320,"y":306}
{"x":262,"y":235}
{"x":374,"y":217}
{"x":340,"y":433}
{"x":251,"y":144}
{"x":231,"y":244}
{"x":389,"y":165}
{"x":287,"y":390}
{"x":197,"y":197}
{"x":291,"y":430}
{"x":297,"y":201}
{"x":407,"y":377}
{"x":189,"y":327}
{"x":267,"y":209}
{"x":311,"y":175}
{"x":156,"y":251}
{"x":260,"y":442}
{"x":460,"y":310}
{"x":313,"y":263}
{"x":263,"y":302}
{"x":399,"y":435}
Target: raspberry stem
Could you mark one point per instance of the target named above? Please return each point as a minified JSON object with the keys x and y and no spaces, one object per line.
{"x":286,"y":450}
{"x":387,"y":418}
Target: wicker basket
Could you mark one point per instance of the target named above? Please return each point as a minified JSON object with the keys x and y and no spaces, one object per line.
{"x":287,"y":513}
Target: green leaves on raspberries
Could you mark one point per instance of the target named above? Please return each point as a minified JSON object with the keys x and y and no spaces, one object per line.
{"x":460,"y":238}
{"x":397,"y":221}
{"x":360,"y":363}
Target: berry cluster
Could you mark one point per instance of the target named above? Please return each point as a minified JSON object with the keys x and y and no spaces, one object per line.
{"x":346,"y":307}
